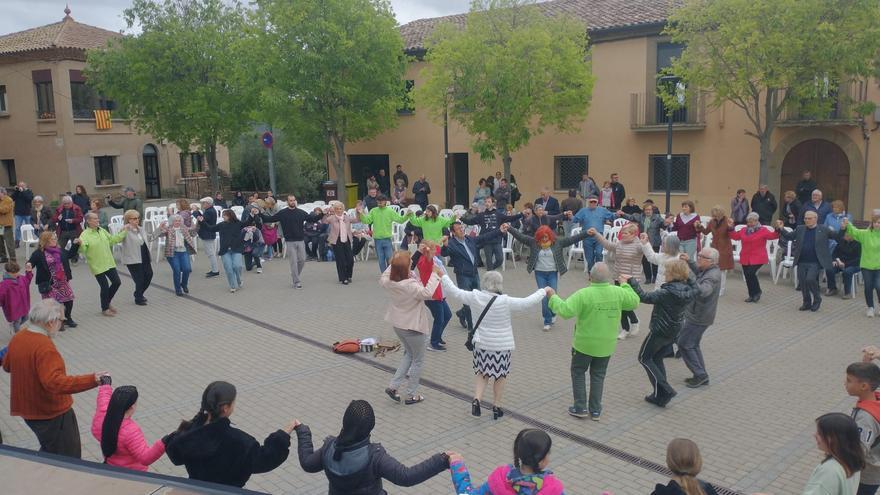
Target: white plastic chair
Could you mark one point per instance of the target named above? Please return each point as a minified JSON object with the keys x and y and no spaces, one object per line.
{"x":576,"y":249}
{"x":238,"y":210}
{"x":786,"y":265}
{"x":458,"y":207}
{"x":396,"y":208}
{"x":772,"y":249}
{"x":114,"y":229}
{"x":414,"y":208}
{"x":508,"y":250}
{"x":620,"y":222}
{"x":117,"y":219}
{"x":28,"y":238}
{"x":172,"y":209}
{"x":319,"y":203}
{"x":364,"y":255}
{"x":446,"y":212}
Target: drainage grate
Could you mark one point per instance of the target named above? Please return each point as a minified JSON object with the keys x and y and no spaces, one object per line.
{"x":549,"y":428}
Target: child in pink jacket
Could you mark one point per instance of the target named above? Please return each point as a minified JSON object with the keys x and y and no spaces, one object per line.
{"x":15,"y":294}
{"x":122,"y":441}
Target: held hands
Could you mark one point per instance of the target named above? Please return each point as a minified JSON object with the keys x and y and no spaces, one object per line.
{"x":843,"y":223}
{"x":28,"y":267}
{"x":870,"y":353}
{"x":454,"y":457}
{"x":445,"y":240}
{"x":77,"y":241}
{"x":730,"y":222}
{"x":101,"y":374}
{"x":291,"y":426}
{"x":779,"y":224}
{"x":624,"y":279}
{"x":592,"y":232}
{"x":549,"y":292}
{"x":684,"y":257}
{"x":643,"y":237}
{"x":504,"y":227}
{"x":438,"y":271}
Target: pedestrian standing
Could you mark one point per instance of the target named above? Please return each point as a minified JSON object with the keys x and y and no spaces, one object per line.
{"x":254,"y":244}
{"x":670,"y":302}
{"x":136,"y":255}
{"x":421,"y":189}
{"x":550,"y":204}
{"x":384,"y":182}
{"x":81,"y":198}
{"x":40,"y":388}
{"x":53,"y":275}
{"x":129,"y":201}
{"x":23,"y":198}
{"x":292,"y":220}
{"x":409,"y":318}
{"x":502,"y":195}
{"x":870,"y":258}
{"x":401,"y":175}
{"x":571,"y":203}
{"x":340,"y":239}
{"x":739,"y":207}
{"x":597,"y":309}
{"x":764,"y":204}
{"x":7,"y":222}
{"x":700,"y":314}
{"x":96,"y":244}
{"x":805,"y":187}
{"x":587,"y":187}
{"x":68,"y":221}
{"x":619,"y":192}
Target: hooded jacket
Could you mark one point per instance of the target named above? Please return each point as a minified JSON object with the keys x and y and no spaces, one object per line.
{"x":506,"y":480}
{"x":363,"y":466}
{"x":219,"y":453}
{"x":866,"y":414}
{"x":670,"y":302}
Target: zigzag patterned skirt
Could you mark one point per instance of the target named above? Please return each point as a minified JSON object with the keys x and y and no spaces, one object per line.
{"x":494,"y":364}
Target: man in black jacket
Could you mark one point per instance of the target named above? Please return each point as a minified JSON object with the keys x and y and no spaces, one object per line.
{"x":811,"y":254}
{"x":764,"y":204}
{"x":805,"y":187}
{"x":292,"y":220}
{"x":489,"y":220}
{"x":463,"y":252}
{"x":421,"y":189}
{"x":208,"y":237}
{"x":618,"y":196}
{"x":550,"y":204}
{"x":400,"y":174}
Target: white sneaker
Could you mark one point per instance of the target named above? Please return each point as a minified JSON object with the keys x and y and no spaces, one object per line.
{"x":870,"y":312}
{"x":232,"y":290}
{"x":546,"y":328}
{"x":553,"y":321}
{"x":622,"y":335}
{"x":634,"y":329}
{"x":259,"y":270}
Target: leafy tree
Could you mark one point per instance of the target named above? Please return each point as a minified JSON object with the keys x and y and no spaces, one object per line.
{"x":333,"y":72}
{"x":174,"y":79}
{"x":768,"y":55}
{"x":298,"y":171}
{"x":507,"y":75}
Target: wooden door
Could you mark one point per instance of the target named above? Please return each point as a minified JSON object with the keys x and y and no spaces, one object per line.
{"x":827,"y":162}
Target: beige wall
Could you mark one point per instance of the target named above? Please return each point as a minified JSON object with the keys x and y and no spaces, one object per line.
{"x":722,"y":157}
{"x":55,"y":156}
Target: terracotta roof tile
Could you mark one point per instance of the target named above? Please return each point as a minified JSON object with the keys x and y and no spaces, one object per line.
{"x":64,"y":34}
{"x":597,"y":14}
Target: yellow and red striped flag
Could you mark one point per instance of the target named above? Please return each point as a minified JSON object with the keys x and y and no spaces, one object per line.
{"x":102,"y":120}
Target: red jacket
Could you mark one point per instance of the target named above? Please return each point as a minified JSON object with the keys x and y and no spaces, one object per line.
{"x":15,"y":296}
{"x":426,"y":268}
{"x":754,"y":246}
{"x":77,"y":220}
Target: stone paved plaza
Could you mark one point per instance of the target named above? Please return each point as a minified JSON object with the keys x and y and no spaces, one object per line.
{"x":773,"y":371}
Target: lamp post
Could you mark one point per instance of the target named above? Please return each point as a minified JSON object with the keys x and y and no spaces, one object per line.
{"x":670,"y":84}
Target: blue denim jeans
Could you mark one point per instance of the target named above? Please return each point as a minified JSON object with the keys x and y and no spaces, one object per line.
{"x":384,"y":251}
{"x":592,"y":252}
{"x":232,"y":264}
{"x":19,"y":221}
{"x":466,"y":282}
{"x":546,"y":279}
{"x":872,"y":284}
{"x":442,"y":314}
{"x":490,"y":251}
{"x":180,"y":269}
{"x":848,"y":273}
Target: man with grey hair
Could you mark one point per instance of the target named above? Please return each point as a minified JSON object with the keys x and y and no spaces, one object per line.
{"x":129,"y":201}
{"x":811,"y":255}
{"x":40,"y":388}
{"x":597,"y":309}
{"x":700,"y":313}
{"x":818,"y":205}
{"x":208,"y":237}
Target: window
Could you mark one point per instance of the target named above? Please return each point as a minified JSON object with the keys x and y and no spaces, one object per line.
{"x":105,"y":170}
{"x":84,"y":99}
{"x":408,"y":106}
{"x":666,"y":52}
{"x":567,"y":171}
{"x":9,"y":168}
{"x":2,"y":98}
{"x":196,"y":163}
{"x":680,"y":176}
{"x":45,"y":96}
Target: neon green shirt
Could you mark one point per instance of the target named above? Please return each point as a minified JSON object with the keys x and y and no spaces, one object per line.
{"x":381,"y":219}
{"x":95,"y":245}
{"x":597,"y":309}
{"x":432,"y":230}
{"x":870,"y":241}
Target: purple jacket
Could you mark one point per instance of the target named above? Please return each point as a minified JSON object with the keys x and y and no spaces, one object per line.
{"x":15,"y":296}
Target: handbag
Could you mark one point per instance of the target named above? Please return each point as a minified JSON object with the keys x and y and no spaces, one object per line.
{"x":44,"y":287}
{"x":469,"y":344}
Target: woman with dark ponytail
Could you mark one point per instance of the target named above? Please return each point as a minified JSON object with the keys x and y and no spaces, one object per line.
{"x":122,"y":441}
{"x":212,"y":450}
{"x":356,"y":466}
{"x":528,"y":475}
{"x":684,"y":460}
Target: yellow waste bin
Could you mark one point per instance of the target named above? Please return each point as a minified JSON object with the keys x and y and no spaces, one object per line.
{"x":351,"y":194}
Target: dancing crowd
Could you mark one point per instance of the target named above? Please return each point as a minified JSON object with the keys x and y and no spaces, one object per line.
{"x":645,"y":258}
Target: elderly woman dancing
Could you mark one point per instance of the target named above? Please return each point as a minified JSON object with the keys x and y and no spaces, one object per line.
{"x":96,"y":244}
{"x":492,"y":340}
{"x":179,"y":246}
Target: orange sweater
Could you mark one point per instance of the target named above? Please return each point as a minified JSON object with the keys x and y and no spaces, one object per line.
{"x":40,"y":386}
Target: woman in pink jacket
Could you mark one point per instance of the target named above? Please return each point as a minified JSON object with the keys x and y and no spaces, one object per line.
{"x":122,"y":441}
{"x":409,"y":316}
{"x":753,"y":254}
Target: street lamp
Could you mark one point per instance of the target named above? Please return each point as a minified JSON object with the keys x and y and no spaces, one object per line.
{"x":670,"y":84}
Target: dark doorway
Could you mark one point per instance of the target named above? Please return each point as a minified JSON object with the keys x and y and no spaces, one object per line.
{"x":827,"y":162}
{"x":459,"y":189}
{"x":151,"y":172}
{"x":363,"y":166}
{"x":9,"y":170}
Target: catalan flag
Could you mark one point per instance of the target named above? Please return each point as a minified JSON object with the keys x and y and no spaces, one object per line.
{"x":102,"y":120}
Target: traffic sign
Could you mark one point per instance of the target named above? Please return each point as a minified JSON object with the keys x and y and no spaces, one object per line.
{"x":267,"y":139}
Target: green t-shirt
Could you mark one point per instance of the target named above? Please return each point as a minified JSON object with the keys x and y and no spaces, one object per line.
{"x":381,"y":219}
{"x":597,"y":309}
{"x":432,"y":230}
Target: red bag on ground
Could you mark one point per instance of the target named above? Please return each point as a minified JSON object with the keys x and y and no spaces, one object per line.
{"x":347,"y":346}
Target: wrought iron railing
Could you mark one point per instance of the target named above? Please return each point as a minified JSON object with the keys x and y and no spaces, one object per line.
{"x":648,"y":111}
{"x":840,"y":107}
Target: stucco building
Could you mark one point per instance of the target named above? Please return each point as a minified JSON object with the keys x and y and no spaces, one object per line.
{"x":49,"y":134}
{"x":625,"y":130}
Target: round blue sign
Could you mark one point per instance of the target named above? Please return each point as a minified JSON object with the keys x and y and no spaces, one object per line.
{"x":267,"y":139}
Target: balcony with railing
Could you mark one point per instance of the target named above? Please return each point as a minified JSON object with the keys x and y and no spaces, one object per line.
{"x":841,"y":111}
{"x":648,"y":113}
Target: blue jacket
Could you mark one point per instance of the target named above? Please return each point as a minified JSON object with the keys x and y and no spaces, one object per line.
{"x":822,"y":211}
{"x":551,"y":206}
{"x":595,"y":218}
{"x":461,"y":263}
{"x":208,"y":220}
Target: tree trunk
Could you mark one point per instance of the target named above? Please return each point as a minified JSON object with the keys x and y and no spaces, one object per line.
{"x":506,"y":159}
{"x":213,"y":169}
{"x":339,"y":166}
{"x":764,"y":171}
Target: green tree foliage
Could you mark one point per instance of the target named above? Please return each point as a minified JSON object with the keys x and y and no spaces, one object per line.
{"x":175,"y":77}
{"x":507,"y":75}
{"x":297,"y":170}
{"x":333,"y":71}
{"x":768,"y":55}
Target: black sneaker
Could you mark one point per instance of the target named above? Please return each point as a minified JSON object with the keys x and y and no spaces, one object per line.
{"x":697,"y":381}
{"x":185,"y":289}
{"x":212,"y":274}
{"x":141,"y":302}
{"x":70,"y":324}
{"x":578,"y":413}
{"x":475,"y":408}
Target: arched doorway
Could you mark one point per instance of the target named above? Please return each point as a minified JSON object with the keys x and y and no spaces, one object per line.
{"x":828,"y":163}
{"x":151,"y":172}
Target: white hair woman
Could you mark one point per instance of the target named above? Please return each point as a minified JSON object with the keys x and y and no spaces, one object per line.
{"x":670,"y":248}
{"x":178,"y":248}
{"x":340,"y":239}
{"x":41,"y":216}
{"x":96,"y":243}
{"x":492,"y":341}
{"x":753,"y":254}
